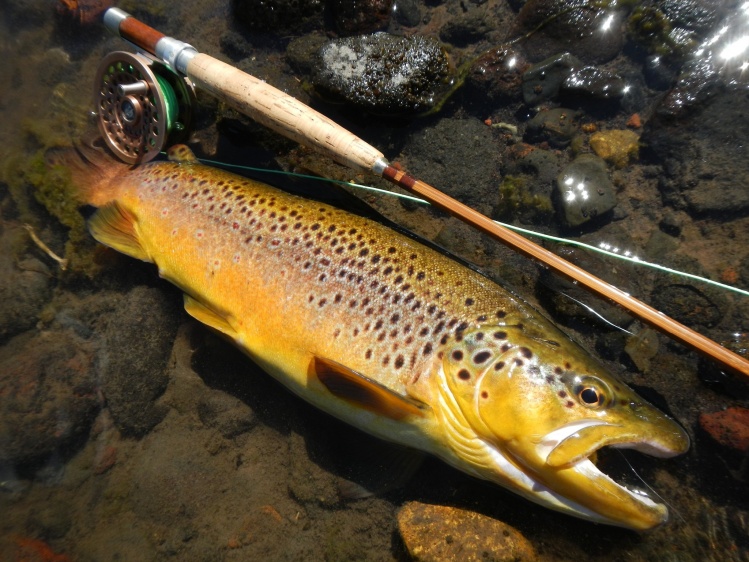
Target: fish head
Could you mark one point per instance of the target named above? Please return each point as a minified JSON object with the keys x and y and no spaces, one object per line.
{"x":542,"y":408}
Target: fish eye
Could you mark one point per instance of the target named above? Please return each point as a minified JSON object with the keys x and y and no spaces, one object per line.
{"x":591,"y":393}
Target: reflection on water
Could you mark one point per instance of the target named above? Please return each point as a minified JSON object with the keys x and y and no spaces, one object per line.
{"x":129,"y":432}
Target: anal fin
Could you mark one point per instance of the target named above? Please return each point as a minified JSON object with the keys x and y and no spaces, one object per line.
{"x":362,"y":391}
{"x":115,"y":226}
{"x":209,"y":317}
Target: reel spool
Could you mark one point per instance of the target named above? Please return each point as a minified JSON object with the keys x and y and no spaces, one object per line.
{"x":142,"y":105}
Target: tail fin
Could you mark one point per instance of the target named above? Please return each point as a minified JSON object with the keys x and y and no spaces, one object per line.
{"x":92,"y":167}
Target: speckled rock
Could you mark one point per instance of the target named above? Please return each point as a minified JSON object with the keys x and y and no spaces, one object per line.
{"x":556,"y":126}
{"x":618,"y":147}
{"x":526,"y":187}
{"x":542,"y":81}
{"x":48,"y":389}
{"x":585,"y":29}
{"x":444,"y":534}
{"x":584,"y":190}
{"x":382,"y":73}
{"x":133,"y":358}
{"x":468,"y":23}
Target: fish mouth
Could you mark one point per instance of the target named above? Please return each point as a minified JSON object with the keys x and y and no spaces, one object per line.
{"x":568,"y":452}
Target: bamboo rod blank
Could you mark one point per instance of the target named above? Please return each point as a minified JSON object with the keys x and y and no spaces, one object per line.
{"x":638,"y":308}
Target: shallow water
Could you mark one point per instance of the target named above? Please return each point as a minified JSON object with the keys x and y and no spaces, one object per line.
{"x":130,"y":432}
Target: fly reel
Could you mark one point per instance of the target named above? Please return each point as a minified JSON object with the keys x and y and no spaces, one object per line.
{"x":142,"y":105}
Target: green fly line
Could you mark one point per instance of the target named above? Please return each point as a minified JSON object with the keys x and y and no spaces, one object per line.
{"x":606,"y":252}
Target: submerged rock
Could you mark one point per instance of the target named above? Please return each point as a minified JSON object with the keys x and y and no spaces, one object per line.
{"x":360,"y":17}
{"x":584,"y":190}
{"x":729,"y":429}
{"x":383,"y":73}
{"x":556,"y":126}
{"x":279,"y":16}
{"x":594,"y":82}
{"x":542,"y":81}
{"x":133,"y":359}
{"x":617,"y":147}
{"x":48,"y":391}
{"x":444,"y":533}
{"x":586,"y":29}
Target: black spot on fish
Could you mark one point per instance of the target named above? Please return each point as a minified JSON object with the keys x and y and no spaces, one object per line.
{"x":399,"y":361}
{"x":499,"y":365}
{"x":368,"y":354}
{"x":518,"y":361}
{"x":427,"y":348}
{"x":394,"y":318}
{"x":464,"y":375}
{"x":481,"y":357}
{"x":570,"y":404}
{"x":385,"y":360}
{"x":457,"y":355}
{"x":420,"y":275}
{"x":525,"y":352}
{"x":479,"y":336}
{"x":484,"y":394}
{"x":562,"y":394}
{"x":505,"y":347}
{"x":469,"y":301}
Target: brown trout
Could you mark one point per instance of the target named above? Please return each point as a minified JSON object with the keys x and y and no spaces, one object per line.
{"x":383,"y":332}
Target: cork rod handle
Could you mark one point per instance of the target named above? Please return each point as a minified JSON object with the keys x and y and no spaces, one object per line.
{"x":281,"y":112}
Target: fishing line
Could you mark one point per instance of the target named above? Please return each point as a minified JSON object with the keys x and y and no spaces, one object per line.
{"x":600,"y":250}
{"x":601,"y":316}
{"x":650,"y":489}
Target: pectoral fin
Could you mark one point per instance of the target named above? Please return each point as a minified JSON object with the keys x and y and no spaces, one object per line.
{"x":115,"y":226}
{"x":361,"y":391}
{"x":209,"y":317}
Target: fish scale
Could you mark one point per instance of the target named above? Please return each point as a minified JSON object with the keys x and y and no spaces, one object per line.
{"x":382,"y":331}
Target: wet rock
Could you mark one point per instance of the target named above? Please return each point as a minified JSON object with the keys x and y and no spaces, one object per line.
{"x":658,"y":75}
{"x":671,"y":223}
{"x":470,"y":24}
{"x":383,"y":73}
{"x":584,"y":190}
{"x":226,"y":413}
{"x":353,"y":18}
{"x":699,"y":80}
{"x":443,"y":533}
{"x":729,"y":430}
{"x":525,"y":190}
{"x":408,"y":13}
{"x":542,"y":81}
{"x":687,"y":304}
{"x":555,"y":126}
{"x":133,"y":359}
{"x":594,"y":82}
{"x":585,"y":29}
{"x":460,"y":156}
{"x":49,"y":394}
{"x":302,"y":52}
{"x":24,"y":289}
{"x":617,"y":147}
{"x":280,"y":16}
{"x":642,"y":347}
{"x":497,"y":76}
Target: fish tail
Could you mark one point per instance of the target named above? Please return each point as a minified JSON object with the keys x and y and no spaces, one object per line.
{"x":92,"y":167}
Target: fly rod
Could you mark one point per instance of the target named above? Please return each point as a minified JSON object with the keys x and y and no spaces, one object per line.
{"x":137,"y":131}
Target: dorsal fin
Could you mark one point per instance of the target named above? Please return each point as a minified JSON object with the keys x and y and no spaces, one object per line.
{"x":181,"y":153}
{"x":361,"y":391}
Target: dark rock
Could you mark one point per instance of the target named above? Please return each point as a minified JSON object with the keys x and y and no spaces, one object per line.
{"x":383,"y":73}
{"x":234,"y":45}
{"x":408,"y":13}
{"x":226,"y":413}
{"x":658,"y":75}
{"x":543,"y":80}
{"x":133,"y":359}
{"x":280,"y":16}
{"x":584,"y":190}
{"x":301,"y":53}
{"x":25,"y":286}
{"x":583,"y":28}
{"x":671,"y":223}
{"x":594,"y":82}
{"x":687,"y":304}
{"x":49,"y":395}
{"x":699,"y":80}
{"x":360,"y":16}
{"x":460,"y":156}
{"x":525,"y":191}
{"x":703,"y":157}
{"x":497,"y":76}
{"x":470,"y":25}
{"x":555,"y":126}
